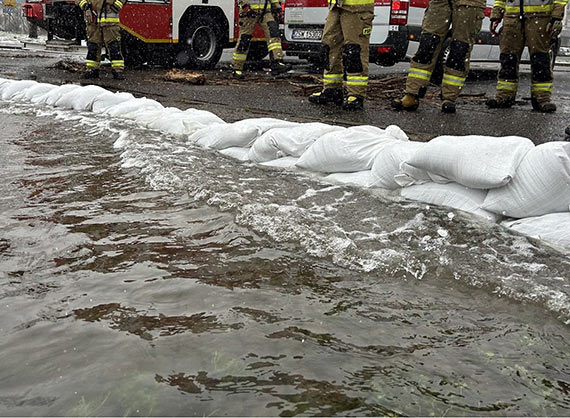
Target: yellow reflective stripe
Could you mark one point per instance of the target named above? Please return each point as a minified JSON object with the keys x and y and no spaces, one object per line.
{"x":529,"y":9}
{"x":119,"y":3}
{"x":334,"y":81}
{"x":92,"y":64}
{"x":453,"y":81}
{"x":239,"y":57}
{"x":417,"y":73}
{"x":453,"y":77}
{"x":257,"y":6}
{"x":563,"y":3}
{"x":82,"y":2}
{"x":108,"y":20}
{"x":507,"y":85}
{"x":117,"y":63}
{"x":274,"y":45}
{"x":500,"y":4}
{"x":357,"y":2}
{"x":541,"y":86}
{"x":510,"y":83}
{"x":332,"y":76}
{"x":350,"y":82}
{"x":419,"y":70}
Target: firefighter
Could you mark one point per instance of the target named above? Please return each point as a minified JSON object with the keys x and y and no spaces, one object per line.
{"x":465,"y":18}
{"x":103,"y":29}
{"x":534,"y":23}
{"x":260,"y":12}
{"x":346,"y":39}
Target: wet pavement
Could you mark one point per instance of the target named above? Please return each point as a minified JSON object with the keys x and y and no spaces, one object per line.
{"x":286,"y":97}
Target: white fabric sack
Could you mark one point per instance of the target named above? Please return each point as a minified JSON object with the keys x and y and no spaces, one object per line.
{"x":410,"y":175}
{"x":4,"y":82}
{"x":358,"y":178}
{"x":352,"y":149}
{"x":541,"y":184}
{"x":176,"y":123}
{"x":239,"y":153}
{"x":386,"y":165}
{"x":237,"y":134}
{"x":203,"y":116}
{"x":16,"y":87}
{"x":453,"y":195}
{"x":279,"y":142}
{"x":32,"y":92}
{"x":80,"y":99}
{"x":105,"y":101}
{"x":283,"y":162}
{"x":479,"y":162}
{"x":53,"y":95}
{"x":553,"y":228}
{"x":130,"y":108}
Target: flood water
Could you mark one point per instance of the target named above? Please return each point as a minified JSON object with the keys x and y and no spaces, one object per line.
{"x":140,"y":275}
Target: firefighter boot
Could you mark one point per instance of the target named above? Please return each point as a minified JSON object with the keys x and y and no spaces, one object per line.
{"x":499,"y":103}
{"x":279,"y":67}
{"x":448,"y":106}
{"x":117,"y":75}
{"x":408,"y":102}
{"x":544,"y":107}
{"x":353,"y":103}
{"x":93,"y":73}
{"x":330,"y":95}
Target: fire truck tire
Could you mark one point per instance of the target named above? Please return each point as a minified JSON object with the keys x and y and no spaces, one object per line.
{"x":257,"y":51}
{"x":203,"y":42}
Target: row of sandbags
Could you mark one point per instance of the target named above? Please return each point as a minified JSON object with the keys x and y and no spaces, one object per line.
{"x":493,"y":177}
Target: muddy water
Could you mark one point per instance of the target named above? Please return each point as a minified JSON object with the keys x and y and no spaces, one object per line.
{"x":142,"y":276}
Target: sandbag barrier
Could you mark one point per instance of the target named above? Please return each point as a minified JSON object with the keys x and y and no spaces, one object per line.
{"x":502,"y":179}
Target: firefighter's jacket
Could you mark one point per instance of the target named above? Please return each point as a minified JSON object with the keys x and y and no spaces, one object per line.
{"x":353,"y":5}
{"x":258,"y":5}
{"x":529,"y":8}
{"x":106,"y":11}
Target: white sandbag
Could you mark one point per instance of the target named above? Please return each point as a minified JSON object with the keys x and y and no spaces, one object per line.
{"x":237,"y":134}
{"x":279,"y":142}
{"x":479,"y":162}
{"x":453,"y":195}
{"x":130,"y":108}
{"x":52,"y":96}
{"x":553,"y":228}
{"x":176,"y":124}
{"x":386,"y":166}
{"x":239,"y":153}
{"x":4,"y":82}
{"x":358,"y":178}
{"x":16,"y":87}
{"x":283,"y":162}
{"x":203,"y":116}
{"x":541,"y":184}
{"x":105,"y":101}
{"x":80,"y":99}
{"x":29,"y":93}
{"x":352,"y":149}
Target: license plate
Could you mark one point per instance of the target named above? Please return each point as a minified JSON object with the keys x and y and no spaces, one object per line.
{"x":310,"y":34}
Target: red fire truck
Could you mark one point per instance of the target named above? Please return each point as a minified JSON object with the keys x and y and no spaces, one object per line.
{"x":187,"y":32}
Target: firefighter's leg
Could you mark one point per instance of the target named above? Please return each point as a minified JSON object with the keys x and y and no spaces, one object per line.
{"x":246,"y":26}
{"x":356,"y":28}
{"x":435,"y":25}
{"x":538,"y":41}
{"x":511,"y":47}
{"x":112,"y":36}
{"x":94,"y":42}
{"x":273,"y":36}
{"x":333,"y":74}
{"x":466,"y":22}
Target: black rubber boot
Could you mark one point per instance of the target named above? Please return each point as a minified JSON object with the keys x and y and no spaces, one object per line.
{"x":90,"y":74}
{"x":409,"y":102}
{"x":500,"y":103}
{"x":353,"y":103}
{"x":448,"y":106}
{"x":279,"y":67}
{"x":238,"y":74}
{"x":327,"y":96}
{"x":117,"y":75}
{"x":544,"y":107}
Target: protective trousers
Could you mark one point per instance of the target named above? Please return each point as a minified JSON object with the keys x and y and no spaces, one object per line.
{"x":246,"y":26}
{"x":104,"y":34}
{"x":346,"y":37}
{"x":465,"y":20}
{"x":513,"y":36}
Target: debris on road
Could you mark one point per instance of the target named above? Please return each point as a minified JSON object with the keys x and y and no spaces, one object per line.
{"x":184,"y":77}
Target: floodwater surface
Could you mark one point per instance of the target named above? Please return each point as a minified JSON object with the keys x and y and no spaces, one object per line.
{"x":140,"y":275}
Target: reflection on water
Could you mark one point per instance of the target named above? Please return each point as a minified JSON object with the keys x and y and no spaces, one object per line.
{"x":140,"y":276}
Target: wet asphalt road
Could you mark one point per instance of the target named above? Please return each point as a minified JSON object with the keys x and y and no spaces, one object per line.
{"x":261,"y":95}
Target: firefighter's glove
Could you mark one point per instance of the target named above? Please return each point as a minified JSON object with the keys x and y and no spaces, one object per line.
{"x":117,"y":6}
{"x":554,"y":27}
{"x":247,"y":11}
{"x":493,"y":27}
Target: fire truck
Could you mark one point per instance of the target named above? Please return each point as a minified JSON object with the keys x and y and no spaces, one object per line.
{"x":189,"y":33}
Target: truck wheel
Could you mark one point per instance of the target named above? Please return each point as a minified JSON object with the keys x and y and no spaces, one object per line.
{"x":257,"y":51}
{"x":202,"y":43}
